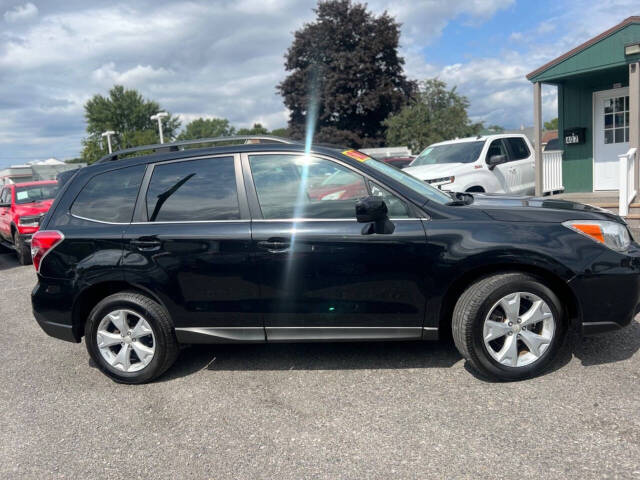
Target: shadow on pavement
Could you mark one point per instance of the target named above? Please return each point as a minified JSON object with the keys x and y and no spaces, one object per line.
{"x":609,"y":348}
{"x":8,"y":259}
{"x":314,"y":356}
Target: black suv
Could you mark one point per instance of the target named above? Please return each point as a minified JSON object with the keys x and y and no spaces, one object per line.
{"x":272,"y":242}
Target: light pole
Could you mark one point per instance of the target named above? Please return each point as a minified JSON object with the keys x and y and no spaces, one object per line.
{"x":159,"y":116}
{"x":108,"y":134}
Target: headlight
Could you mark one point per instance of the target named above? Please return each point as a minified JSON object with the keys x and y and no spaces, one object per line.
{"x":441,"y":181}
{"x":33,"y":221}
{"x":612,"y":234}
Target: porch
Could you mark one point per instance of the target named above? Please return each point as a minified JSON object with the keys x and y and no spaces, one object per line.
{"x":598,"y":85}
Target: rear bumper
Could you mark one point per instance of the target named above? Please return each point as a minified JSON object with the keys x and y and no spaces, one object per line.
{"x":56,"y":330}
{"x":52,"y":308}
{"x":26,"y":238}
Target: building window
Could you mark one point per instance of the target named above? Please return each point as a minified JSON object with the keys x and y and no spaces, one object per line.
{"x":616,"y":120}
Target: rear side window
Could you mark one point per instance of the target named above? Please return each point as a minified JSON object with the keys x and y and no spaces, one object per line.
{"x":518,"y":147}
{"x":193,"y":190}
{"x":110,"y":196}
{"x":5,"y":197}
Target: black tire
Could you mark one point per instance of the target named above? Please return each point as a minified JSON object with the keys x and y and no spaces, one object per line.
{"x":23,"y":251}
{"x":166,"y":345}
{"x":473,"y":307}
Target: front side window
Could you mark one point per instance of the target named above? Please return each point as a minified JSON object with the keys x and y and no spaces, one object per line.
{"x":497,"y":148}
{"x":110,"y":196}
{"x":396,"y":207}
{"x":193,"y":190}
{"x":519,"y":148}
{"x":36,"y":193}
{"x":295,"y":186}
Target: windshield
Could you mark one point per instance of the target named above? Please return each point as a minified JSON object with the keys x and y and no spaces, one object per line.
{"x":413,"y":183}
{"x":464,"y":152}
{"x":36,"y":193}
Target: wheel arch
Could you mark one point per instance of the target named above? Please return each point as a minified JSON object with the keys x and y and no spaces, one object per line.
{"x":90,"y":296}
{"x":553,"y":281}
{"x":476,"y":188}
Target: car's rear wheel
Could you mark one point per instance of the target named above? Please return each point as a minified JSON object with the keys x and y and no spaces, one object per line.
{"x":509,"y":326}
{"x":130,"y":337}
{"x":22,"y":250}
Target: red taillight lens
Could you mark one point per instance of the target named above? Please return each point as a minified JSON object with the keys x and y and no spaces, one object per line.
{"x":42,"y":243}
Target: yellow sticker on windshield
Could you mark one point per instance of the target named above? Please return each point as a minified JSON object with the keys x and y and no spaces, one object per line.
{"x":356,"y":155}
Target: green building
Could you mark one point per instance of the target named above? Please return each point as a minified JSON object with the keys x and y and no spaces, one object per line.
{"x":598,"y":111}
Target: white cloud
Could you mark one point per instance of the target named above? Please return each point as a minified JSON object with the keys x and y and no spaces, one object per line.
{"x":21,"y":13}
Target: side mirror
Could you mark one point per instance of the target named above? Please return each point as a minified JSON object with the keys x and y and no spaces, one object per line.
{"x":496,"y":160}
{"x":373,"y":211}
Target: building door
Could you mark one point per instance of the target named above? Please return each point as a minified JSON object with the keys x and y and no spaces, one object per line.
{"x":611,"y":136}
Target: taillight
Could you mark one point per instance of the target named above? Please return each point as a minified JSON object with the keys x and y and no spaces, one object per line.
{"x":42,"y":243}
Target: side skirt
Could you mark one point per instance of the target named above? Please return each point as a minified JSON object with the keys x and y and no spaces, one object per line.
{"x":341,"y":334}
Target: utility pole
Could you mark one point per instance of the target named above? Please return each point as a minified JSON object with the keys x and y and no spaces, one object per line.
{"x":159,"y":116}
{"x":108,"y":134}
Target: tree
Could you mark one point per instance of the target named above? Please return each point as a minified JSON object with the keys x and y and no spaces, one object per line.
{"x":280,"y":132}
{"x":436,"y":114}
{"x":257,"y":129}
{"x":128,"y":114}
{"x":551,"y":124}
{"x":207,"y":128}
{"x":345,"y":64}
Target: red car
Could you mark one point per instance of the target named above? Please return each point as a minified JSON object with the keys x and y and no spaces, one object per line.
{"x":22,"y":206}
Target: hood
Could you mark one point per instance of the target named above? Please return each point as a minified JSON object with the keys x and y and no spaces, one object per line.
{"x":35,"y":208}
{"x":538,"y":209}
{"x":438,"y":170}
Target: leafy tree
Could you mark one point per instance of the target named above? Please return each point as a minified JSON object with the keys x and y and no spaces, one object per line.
{"x":207,"y":128}
{"x":436,"y":114}
{"x":257,"y":129}
{"x":551,"y":124}
{"x":280,"y":132}
{"x":346,"y":65}
{"x":128,"y":114}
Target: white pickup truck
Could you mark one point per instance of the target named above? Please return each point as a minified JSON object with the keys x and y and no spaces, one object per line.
{"x":501,"y":163}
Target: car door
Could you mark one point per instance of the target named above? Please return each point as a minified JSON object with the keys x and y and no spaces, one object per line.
{"x":504,"y":172}
{"x":5,"y":213}
{"x":190,"y":243}
{"x":521,"y":159}
{"x":322,"y":278}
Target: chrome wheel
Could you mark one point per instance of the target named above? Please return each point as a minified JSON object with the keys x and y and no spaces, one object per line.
{"x":125,"y":340}
{"x":518,"y":329}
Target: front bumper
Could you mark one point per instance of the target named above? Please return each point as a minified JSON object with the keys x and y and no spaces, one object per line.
{"x":608,"y":292}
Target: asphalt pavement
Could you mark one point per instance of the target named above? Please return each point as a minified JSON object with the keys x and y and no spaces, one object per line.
{"x":377,"y":410}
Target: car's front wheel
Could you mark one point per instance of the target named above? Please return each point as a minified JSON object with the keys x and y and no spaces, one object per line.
{"x":130,"y":337}
{"x":509,"y":326}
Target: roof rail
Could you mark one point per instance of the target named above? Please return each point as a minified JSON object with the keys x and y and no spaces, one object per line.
{"x":176,"y":146}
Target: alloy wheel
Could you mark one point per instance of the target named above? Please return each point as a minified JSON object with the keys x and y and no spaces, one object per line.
{"x":518,"y":329}
{"x":126,"y":340}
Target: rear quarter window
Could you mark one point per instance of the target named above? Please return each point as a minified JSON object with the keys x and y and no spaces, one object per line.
{"x":110,"y":196}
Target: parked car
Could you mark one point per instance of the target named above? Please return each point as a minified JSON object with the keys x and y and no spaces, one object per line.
{"x":226,"y":244}
{"x":398,"y":162}
{"x":501,"y":163}
{"x":22,"y":207}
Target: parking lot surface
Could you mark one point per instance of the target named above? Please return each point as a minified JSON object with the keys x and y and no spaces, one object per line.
{"x":380,"y":410}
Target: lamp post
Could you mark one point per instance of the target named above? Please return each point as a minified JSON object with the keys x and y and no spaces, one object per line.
{"x":108,"y":134}
{"x":159,"y":116}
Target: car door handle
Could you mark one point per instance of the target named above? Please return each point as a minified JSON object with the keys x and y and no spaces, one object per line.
{"x":146,"y":244}
{"x":274,"y":245}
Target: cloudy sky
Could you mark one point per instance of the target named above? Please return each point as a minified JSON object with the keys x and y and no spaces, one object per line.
{"x":224,"y":57}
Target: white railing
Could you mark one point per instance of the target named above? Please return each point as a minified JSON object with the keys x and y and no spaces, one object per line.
{"x":627,"y":190}
{"x":552,"y":171}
